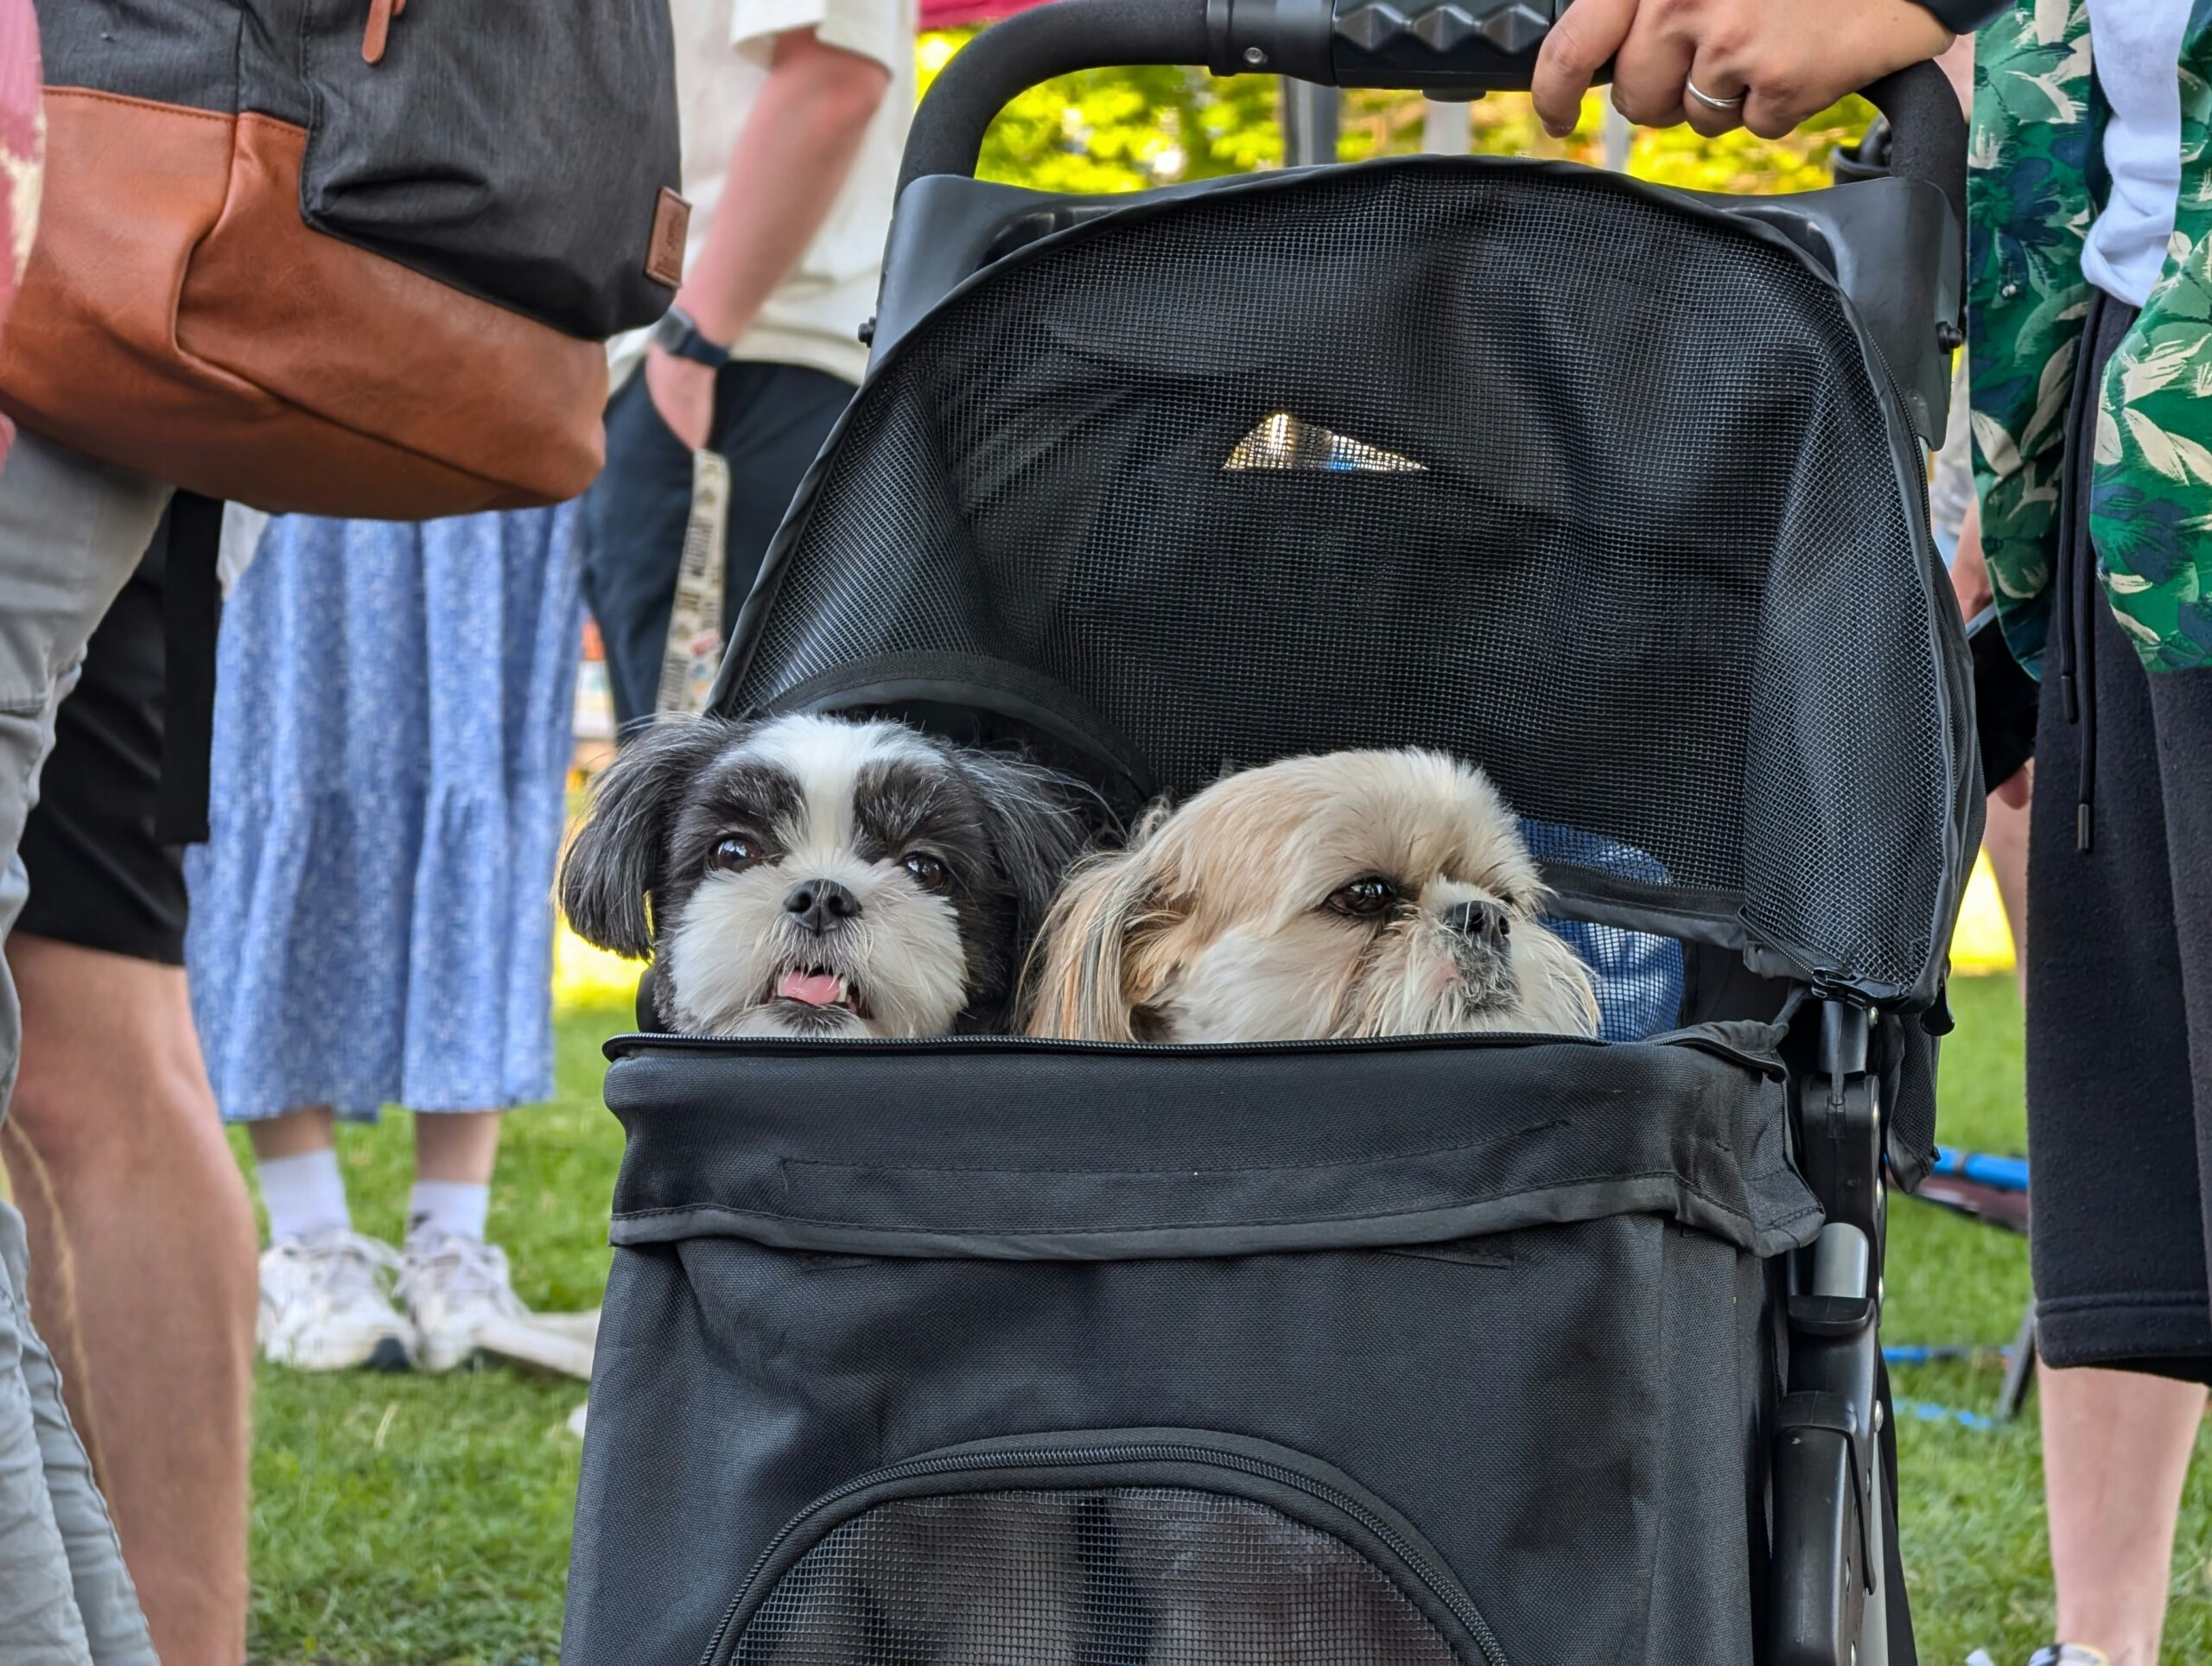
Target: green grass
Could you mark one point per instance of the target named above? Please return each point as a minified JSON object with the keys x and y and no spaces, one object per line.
{"x":403,"y":1519}
{"x":1973,"y":1533}
{"x":400,"y":1518}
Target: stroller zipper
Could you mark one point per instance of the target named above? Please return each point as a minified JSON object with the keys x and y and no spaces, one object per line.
{"x":1444,"y":1590}
{"x":1897,"y":398}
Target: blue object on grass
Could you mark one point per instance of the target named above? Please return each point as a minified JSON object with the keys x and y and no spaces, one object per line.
{"x":2000,"y":1173}
{"x":1928,"y":1411}
{"x":1922,"y":1353}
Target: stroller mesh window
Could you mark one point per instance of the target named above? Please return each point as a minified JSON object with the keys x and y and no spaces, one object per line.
{"x":1546,"y":471}
{"x":1159,"y":1576}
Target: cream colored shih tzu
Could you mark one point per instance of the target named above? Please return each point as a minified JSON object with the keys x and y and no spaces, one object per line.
{"x":1359,"y":894}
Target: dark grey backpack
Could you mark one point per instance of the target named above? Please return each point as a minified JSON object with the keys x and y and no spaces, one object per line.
{"x":346,"y":256}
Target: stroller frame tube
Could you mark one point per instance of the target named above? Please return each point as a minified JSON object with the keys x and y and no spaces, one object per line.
{"x":1828,"y":1586}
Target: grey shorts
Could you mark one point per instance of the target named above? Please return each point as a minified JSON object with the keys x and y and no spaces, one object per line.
{"x":71,"y":531}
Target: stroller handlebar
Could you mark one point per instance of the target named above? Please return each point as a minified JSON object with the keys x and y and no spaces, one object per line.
{"x":1019,"y":52}
{"x":1446,"y":48}
{"x":1928,"y":130}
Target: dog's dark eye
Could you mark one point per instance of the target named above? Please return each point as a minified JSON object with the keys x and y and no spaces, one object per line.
{"x":732,"y":854}
{"x":930,"y":872}
{"x":1365,"y":898}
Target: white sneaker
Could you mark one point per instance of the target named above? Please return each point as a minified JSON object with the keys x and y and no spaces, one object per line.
{"x":453,"y":1286}
{"x":325,"y":1304}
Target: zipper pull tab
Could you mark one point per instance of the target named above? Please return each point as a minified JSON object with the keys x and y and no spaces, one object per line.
{"x":381,"y":12}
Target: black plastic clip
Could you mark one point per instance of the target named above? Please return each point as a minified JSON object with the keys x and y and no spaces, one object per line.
{"x":1830,"y":1315}
{"x":1822,"y":1551}
{"x":1840,"y":1120}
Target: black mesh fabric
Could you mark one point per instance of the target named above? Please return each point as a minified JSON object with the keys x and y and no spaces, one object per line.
{"x":1586,"y":485}
{"x":1167,"y":1576}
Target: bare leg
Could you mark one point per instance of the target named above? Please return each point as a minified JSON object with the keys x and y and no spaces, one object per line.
{"x":2116,"y":1447}
{"x":294,"y":1134}
{"x":456,"y":1145}
{"x":2005,"y":836}
{"x":455,"y":1282}
{"x":142,"y":1237}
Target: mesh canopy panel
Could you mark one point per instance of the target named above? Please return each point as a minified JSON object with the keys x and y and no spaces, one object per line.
{"x":1129,"y":1576}
{"x":1587,"y":486}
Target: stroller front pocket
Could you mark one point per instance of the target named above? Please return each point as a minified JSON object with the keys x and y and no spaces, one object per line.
{"x":1488,"y":1320}
{"x":1170,"y":1547}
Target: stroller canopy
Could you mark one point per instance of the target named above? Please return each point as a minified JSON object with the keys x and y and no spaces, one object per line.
{"x":1588,"y":483}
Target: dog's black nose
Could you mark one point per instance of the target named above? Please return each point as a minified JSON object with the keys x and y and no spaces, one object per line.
{"x":1486,"y":920}
{"x":820,"y":905}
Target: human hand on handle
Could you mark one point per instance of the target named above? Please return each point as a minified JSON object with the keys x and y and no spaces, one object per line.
{"x":1766,"y":65}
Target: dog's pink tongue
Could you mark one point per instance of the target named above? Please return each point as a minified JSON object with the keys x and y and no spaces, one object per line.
{"x":816,"y":988}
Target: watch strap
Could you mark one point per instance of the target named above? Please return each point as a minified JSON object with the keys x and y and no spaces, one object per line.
{"x":678,"y":335}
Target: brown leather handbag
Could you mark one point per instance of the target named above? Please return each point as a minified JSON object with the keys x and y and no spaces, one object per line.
{"x":346,"y":256}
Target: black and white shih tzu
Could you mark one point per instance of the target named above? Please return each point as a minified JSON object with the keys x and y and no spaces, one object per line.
{"x":814,"y":876}
{"x":1358,"y":893}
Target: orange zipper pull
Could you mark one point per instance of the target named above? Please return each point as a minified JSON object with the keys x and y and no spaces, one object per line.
{"x":381,"y":12}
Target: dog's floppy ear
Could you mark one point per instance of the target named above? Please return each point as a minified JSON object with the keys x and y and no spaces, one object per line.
{"x":1035,"y":818}
{"x":614,"y":861}
{"x":1094,"y":968}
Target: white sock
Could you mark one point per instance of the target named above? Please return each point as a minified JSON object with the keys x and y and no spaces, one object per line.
{"x":449,"y":1206}
{"x":303,"y":1193}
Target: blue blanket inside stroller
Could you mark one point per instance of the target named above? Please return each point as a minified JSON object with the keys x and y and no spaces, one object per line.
{"x":1639,"y":974}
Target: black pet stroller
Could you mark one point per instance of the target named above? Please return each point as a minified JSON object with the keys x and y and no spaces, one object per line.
{"x":1500,"y":1351}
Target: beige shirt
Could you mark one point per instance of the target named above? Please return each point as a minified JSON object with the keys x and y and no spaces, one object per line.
{"x":723,"y":48}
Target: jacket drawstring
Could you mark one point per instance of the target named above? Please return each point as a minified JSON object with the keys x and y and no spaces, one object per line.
{"x":2073,"y":576}
{"x":2085,"y":631}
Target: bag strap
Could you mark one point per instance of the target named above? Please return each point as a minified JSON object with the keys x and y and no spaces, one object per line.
{"x":693,"y":650}
{"x":378,"y":31}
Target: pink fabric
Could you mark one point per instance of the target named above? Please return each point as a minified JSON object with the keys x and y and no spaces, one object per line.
{"x":958,"y":14}
{"x":22,"y":154}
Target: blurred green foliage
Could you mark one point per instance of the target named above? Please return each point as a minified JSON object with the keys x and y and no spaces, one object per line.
{"x":1123,"y":129}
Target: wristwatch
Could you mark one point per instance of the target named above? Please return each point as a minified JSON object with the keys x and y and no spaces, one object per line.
{"x":1965,"y":17}
{"x":677,"y":334}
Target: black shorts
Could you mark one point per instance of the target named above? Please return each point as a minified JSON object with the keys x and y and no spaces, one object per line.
{"x":2119,"y":974}
{"x":100,"y":875}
